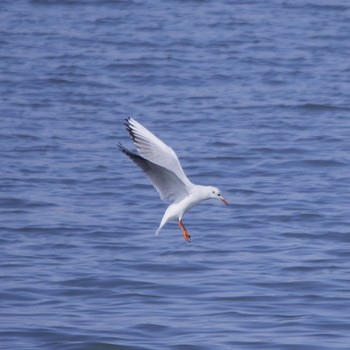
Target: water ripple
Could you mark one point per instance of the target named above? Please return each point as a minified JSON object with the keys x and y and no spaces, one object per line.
{"x":253,"y":98}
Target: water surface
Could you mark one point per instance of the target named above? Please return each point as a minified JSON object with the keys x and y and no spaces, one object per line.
{"x":254,"y":98}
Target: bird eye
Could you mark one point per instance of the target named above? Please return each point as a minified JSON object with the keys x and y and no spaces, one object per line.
{"x":219,"y":194}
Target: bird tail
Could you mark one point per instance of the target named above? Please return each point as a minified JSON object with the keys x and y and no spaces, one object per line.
{"x":165,"y":219}
{"x":160,"y":227}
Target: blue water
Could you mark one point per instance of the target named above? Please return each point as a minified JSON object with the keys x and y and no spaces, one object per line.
{"x":253,"y":96}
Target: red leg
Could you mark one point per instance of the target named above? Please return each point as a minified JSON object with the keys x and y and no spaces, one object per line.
{"x":184,"y":231}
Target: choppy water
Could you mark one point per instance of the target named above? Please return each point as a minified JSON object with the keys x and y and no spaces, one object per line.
{"x":253,"y":96}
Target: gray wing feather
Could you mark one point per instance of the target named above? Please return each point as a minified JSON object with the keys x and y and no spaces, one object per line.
{"x":155,"y":150}
{"x":168,"y":185}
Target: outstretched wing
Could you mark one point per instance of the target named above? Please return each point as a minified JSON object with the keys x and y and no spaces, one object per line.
{"x":154,"y":150}
{"x":168,"y":185}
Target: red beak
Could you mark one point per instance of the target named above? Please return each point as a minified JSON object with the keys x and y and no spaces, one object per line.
{"x":223,"y":200}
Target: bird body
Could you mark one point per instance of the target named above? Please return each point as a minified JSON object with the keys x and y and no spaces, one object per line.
{"x":161,"y":164}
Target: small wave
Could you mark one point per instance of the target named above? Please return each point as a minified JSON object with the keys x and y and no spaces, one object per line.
{"x":322,"y":163}
{"x":317,"y":107}
{"x":23,"y":203}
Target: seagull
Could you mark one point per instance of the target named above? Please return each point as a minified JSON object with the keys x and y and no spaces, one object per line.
{"x":161,"y":164}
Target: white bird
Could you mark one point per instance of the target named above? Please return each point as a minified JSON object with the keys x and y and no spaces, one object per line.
{"x":161,"y":164}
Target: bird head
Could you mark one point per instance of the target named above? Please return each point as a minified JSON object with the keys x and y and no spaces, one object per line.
{"x":215,"y":193}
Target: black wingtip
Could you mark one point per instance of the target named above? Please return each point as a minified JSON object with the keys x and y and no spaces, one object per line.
{"x":122,"y":148}
{"x":126,"y":151}
{"x":127,"y":121}
{"x":129,"y":128}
